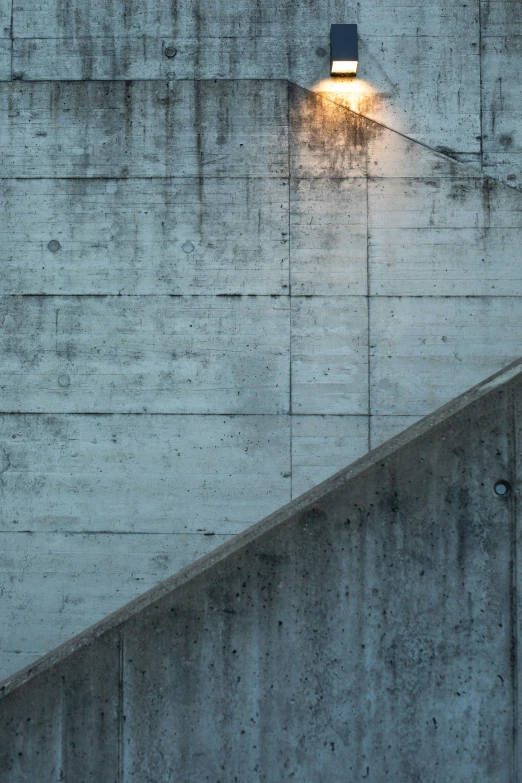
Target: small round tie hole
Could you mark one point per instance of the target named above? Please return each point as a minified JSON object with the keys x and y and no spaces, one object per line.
{"x":502,"y":488}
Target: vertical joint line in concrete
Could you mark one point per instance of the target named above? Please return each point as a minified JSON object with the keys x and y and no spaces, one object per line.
{"x":289,"y":182}
{"x":480,"y":86}
{"x":291,"y":457}
{"x":514,"y":591}
{"x":290,"y":410}
{"x":63,"y":736}
{"x":120,"y":706}
{"x":368,"y":303}
{"x":290,"y":292}
{"x":11,"y":36}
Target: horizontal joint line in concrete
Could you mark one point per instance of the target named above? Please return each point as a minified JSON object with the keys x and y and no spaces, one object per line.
{"x":25,"y":652}
{"x":383,"y":415}
{"x":268,"y":296}
{"x":442,"y":227}
{"x":479,"y":176}
{"x":161,"y":36}
{"x":168,"y":413}
{"x":161,"y":178}
{"x":278,"y":295}
{"x":203,"y":533}
{"x":143,"y":413}
{"x":473,"y":175}
{"x":165,"y":177}
{"x":131,"y":81}
{"x":445,"y":296}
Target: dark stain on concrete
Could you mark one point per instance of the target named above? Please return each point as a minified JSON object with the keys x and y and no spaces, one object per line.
{"x":447,"y":151}
{"x":327,"y":139}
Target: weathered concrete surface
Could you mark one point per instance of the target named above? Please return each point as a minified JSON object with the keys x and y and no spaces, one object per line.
{"x":422,"y":347}
{"x":382,"y":428}
{"x":443,"y":73}
{"x":329,"y":231}
{"x":57,"y":583}
{"x":220,"y":302}
{"x":145,"y":474}
{"x":438,"y":236}
{"x":213,"y":128}
{"x":329,"y":355}
{"x":415,"y":57}
{"x":321,"y":443}
{"x":145,"y":236}
{"x":95,"y":509}
{"x":501,"y":89}
{"x":368,"y":630}
{"x":5,"y":59}
{"x":329,"y":142}
{"x":80,"y":704}
{"x":144,"y":354}
{"x":144,"y":129}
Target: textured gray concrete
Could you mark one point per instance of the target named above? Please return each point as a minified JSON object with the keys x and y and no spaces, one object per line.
{"x":213,"y":240}
{"x":501,"y":89}
{"x":420,"y":345}
{"x":178,"y":235}
{"x":214,"y":294}
{"x":444,"y":73}
{"x":366,"y":631}
{"x":145,"y":354}
{"x":144,"y":129}
{"x":417,"y":56}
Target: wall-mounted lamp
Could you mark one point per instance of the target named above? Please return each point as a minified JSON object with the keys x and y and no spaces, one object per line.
{"x":344,"y":50}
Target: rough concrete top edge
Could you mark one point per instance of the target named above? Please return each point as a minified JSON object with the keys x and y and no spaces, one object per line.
{"x":509,"y":374}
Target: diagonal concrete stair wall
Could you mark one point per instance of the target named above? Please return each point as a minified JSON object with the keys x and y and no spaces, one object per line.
{"x":254,"y":286}
{"x":365,"y":631}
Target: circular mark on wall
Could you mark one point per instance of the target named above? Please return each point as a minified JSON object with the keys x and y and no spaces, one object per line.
{"x":502,"y":488}
{"x":171,"y":74}
{"x":187,"y":247}
{"x":53,"y":246}
{"x":320,"y":52}
{"x":170,"y":52}
{"x":111,"y":188}
{"x":64,"y":380}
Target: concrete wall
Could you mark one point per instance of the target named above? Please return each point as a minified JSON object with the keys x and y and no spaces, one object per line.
{"x":218,"y":287}
{"x":367,"y":631}
{"x":444,"y":73}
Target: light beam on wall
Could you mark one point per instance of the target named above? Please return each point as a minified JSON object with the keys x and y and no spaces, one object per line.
{"x":358,"y":95}
{"x":344,"y":50}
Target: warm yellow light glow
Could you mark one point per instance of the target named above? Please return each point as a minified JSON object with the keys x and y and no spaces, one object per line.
{"x":344,"y":67}
{"x":344,"y":86}
{"x":374,"y":101}
{"x":355,"y":94}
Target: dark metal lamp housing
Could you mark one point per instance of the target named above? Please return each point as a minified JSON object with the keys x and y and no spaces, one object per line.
{"x":344,"y":50}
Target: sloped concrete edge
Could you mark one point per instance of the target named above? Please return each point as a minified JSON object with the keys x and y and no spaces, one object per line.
{"x":301,"y":504}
